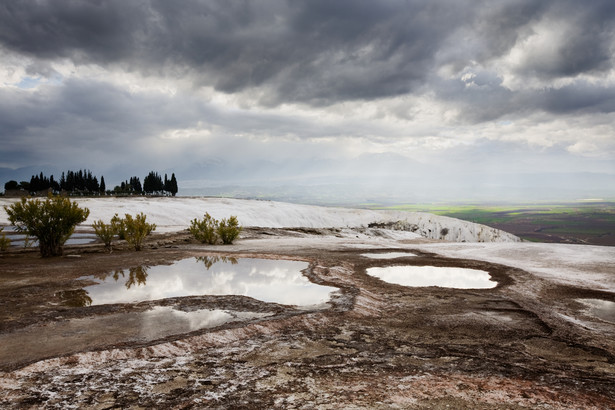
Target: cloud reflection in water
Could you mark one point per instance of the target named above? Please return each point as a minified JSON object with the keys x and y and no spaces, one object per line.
{"x":274,"y":281}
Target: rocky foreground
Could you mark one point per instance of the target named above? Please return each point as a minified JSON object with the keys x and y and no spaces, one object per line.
{"x":530,"y":341}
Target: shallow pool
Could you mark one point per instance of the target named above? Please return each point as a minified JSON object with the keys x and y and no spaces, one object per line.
{"x":74,"y":335}
{"x":447,"y":277}
{"x":19,"y":239}
{"x":273,"y":281}
{"x":602,"y":309}
{"x":387,"y":255}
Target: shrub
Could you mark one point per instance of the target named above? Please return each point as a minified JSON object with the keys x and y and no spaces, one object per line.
{"x":105,"y":232}
{"x":28,"y":242}
{"x":205,"y":230}
{"x":51,"y":221}
{"x":4,"y":241}
{"x":229,"y":230}
{"x":136,"y":229}
{"x":118,"y":224}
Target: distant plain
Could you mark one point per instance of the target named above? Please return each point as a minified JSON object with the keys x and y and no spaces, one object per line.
{"x":582,"y":222}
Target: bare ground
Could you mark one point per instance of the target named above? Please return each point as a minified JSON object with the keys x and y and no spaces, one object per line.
{"x":526,"y":343}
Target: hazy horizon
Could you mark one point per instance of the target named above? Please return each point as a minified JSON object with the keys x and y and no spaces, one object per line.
{"x":337,"y":102}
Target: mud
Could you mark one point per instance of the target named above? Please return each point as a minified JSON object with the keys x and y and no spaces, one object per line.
{"x":526,"y":343}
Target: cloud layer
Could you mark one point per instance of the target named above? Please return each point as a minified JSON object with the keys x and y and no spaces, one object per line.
{"x":155,"y":84}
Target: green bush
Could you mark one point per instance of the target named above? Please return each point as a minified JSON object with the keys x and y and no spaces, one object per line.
{"x":118,"y":224}
{"x":205,"y":230}
{"x":208,"y":229}
{"x":28,"y":241}
{"x":229,"y":230}
{"x":51,"y":221}
{"x":4,"y":241}
{"x":136,"y":229}
{"x":105,"y":232}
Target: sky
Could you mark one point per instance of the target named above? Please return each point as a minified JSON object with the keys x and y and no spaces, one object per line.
{"x":407,"y":100}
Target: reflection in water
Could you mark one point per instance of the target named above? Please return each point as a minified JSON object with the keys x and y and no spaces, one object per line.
{"x":419,"y":276}
{"x":602,"y":309}
{"x":81,"y":298}
{"x":57,"y":338}
{"x":26,"y":241}
{"x":209,"y":261}
{"x":275,"y":281}
{"x":75,"y":298}
{"x":162,"y":321}
{"x":388,"y":255}
{"x":137,"y":276}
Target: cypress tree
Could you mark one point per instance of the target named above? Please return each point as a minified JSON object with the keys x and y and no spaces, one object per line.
{"x":80,"y":185}
{"x":33,"y":183}
{"x":53,"y":184}
{"x":173,"y":185}
{"x":63,"y":182}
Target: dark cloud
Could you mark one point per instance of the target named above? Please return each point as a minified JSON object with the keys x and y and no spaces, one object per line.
{"x":586,"y":40}
{"x":580,"y":97}
{"x":499,"y":26}
{"x":479,"y":96}
{"x":480,"y":100}
{"x":87,"y":118}
{"x":317,"y":52}
{"x":84,"y":119}
{"x":98,"y":31}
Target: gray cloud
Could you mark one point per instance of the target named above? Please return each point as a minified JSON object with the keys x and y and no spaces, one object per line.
{"x":317,"y":52}
{"x":580,"y":96}
{"x":587,"y":41}
{"x":374,"y":69}
{"x":87,"y":118}
{"x":86,"y":31}
{"x":83,"y":118}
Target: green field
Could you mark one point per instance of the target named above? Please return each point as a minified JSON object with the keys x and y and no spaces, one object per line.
{"x":573,"y":222}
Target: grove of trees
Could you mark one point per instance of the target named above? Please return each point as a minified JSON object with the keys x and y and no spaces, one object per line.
{"x":84,"y":183}
{"x":153,"y":184}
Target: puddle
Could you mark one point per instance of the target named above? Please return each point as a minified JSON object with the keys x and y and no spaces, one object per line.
{"x":19,"y":239}
{"x":162,"y":321}
{"x":275,"y":281}
{"x":272,"y":281}
{"x":602,"y":309}
{"x":75,"y":335}
{"x":388,"y":255}
{"x":421,"y":276}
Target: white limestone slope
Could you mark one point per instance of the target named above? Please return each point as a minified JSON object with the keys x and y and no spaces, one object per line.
{"x":585,"y":266}
{"x":175,"y":214}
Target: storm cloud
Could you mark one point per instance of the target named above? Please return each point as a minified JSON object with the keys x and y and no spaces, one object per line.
{"x":288,"y":81}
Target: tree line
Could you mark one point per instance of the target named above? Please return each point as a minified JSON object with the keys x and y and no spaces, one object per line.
{"x":153,"y":184}
{"x":83,"y":182}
